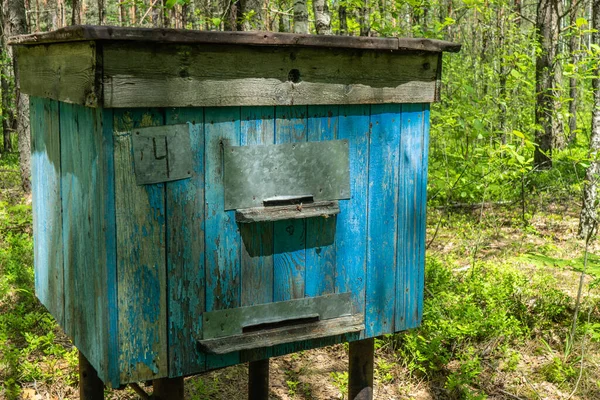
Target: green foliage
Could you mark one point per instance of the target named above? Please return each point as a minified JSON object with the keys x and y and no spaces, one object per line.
{"x":340,"y":381}
{"x":475,"y":313}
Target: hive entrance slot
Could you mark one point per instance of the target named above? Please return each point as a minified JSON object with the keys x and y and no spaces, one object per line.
{"x":280,"y":324}
{"x":288,"y":200}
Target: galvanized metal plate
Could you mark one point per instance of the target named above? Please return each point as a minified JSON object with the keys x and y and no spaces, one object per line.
{"x":229,"y":322}
{"x":255,"y":173}
{"x":161,"y":153}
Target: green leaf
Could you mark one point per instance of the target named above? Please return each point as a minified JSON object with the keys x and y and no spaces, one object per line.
{"x":581,"y":22}
{"x":519,"y":134}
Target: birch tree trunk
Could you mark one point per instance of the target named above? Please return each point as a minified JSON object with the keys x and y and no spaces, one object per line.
{"x":589,"y":213}
{"x":322,"y":17}
{"x":15,"y":23}
{"x":76,"y":15}
{"x":300,"y":16}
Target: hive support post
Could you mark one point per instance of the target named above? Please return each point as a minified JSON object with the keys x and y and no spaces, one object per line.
{"x":360,"y":374}
{"x":258,"y":380}
{"x":168,"y":389}
{"x":90,"y":386}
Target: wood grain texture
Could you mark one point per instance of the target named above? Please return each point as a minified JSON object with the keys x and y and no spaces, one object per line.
{"x":320,"y":232}
{"x":222,"y":239}
{"x":289,"y":259}
{"x":167,"y":75}
{"x":382,"y":219}
{"x":88,"y":205}
{"x":185,"y":252}
{"x":351,"y":229}
{"x":47,"y":208}
{"x":141,"y":258}
{"x":284,"y":335}
{"x":257,"y":128}
{"x":411,"y":217}
{"x":63,"y":71}
{"x":422,"y":221}
{"x":316,"y":214}
{"x":112,"y":33}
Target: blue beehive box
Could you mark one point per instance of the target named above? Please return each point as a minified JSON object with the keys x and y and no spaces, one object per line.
{"x":203,"y":199}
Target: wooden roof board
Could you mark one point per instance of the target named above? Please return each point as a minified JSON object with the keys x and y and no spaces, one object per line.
{"x":160,"y":35}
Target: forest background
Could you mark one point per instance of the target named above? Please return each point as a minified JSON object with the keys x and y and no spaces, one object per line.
{"x":511,"y":275}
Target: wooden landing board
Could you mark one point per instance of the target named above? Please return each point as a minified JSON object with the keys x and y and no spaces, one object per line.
{"x":285,"y":335}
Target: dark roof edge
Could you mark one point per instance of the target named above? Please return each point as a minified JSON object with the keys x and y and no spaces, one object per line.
{"x":160,"y":35}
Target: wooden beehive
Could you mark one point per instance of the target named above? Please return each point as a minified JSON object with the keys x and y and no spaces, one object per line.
{"x":203,"y":199}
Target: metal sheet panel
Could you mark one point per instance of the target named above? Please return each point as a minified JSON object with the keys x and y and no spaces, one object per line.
{"x":255,"y":173}
{"x":161,"y":153}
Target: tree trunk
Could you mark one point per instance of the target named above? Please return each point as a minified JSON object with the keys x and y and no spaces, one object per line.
{"x":322,"y":17}
{"x":300,"y":16}
{"x":76,"y":15}
{"x":101,"y":12}
{"x":343,"y":16}
{"x":573,"y":93}
{"x":589,"y":213}
{"x":15,"y":23}
{"x":547,"y":27}
{"x":252,"y":15}
{"x":365,"y":19}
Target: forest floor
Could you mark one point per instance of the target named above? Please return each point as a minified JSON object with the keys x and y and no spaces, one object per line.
{"x":500,"y":297}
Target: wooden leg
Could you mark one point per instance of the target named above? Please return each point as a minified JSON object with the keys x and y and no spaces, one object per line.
{"x":360,"y":375}
{"x":168,"y":389}
{"x":258,"y":380}
{"x":90,"y":386}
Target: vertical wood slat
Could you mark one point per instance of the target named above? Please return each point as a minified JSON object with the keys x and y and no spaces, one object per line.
{"x":47,"y":209}
{"x":257,"y":128}
{"x":289,"y":259}
{"x":422,"y":225}
{"x":222,"y":240}
{"x":351,"y":230}
{"x":185,"y":252}
{"x":88,"y":232}
{"x":411,"y":224}
{"x":382,"y":219}
{"x":141,"y":257}
{"x":320,"y":232}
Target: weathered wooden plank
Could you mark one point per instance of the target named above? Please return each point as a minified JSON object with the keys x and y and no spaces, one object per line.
{"x":88,"y":205}
{"x":289,"y":257}
{"x":141,"y":258}
{"x":422,"y":227}
{"x":320,"y":232}
{"x":222,"y":239}
{"x":320,"y":211}
{"x":76,"y":33}
{"x":257,"y":128}
{"x":351,"y":229}
{"x":382,"y":219}
{"x":63,"y":71}
{"x":185,"y":251}
{"x":284,"y":335}
{"x":230,"y":322}
{"x":47,"y":208}
{"x":112,"y":320}
{"x":411,"y":217}
{"x":167,"y":75}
